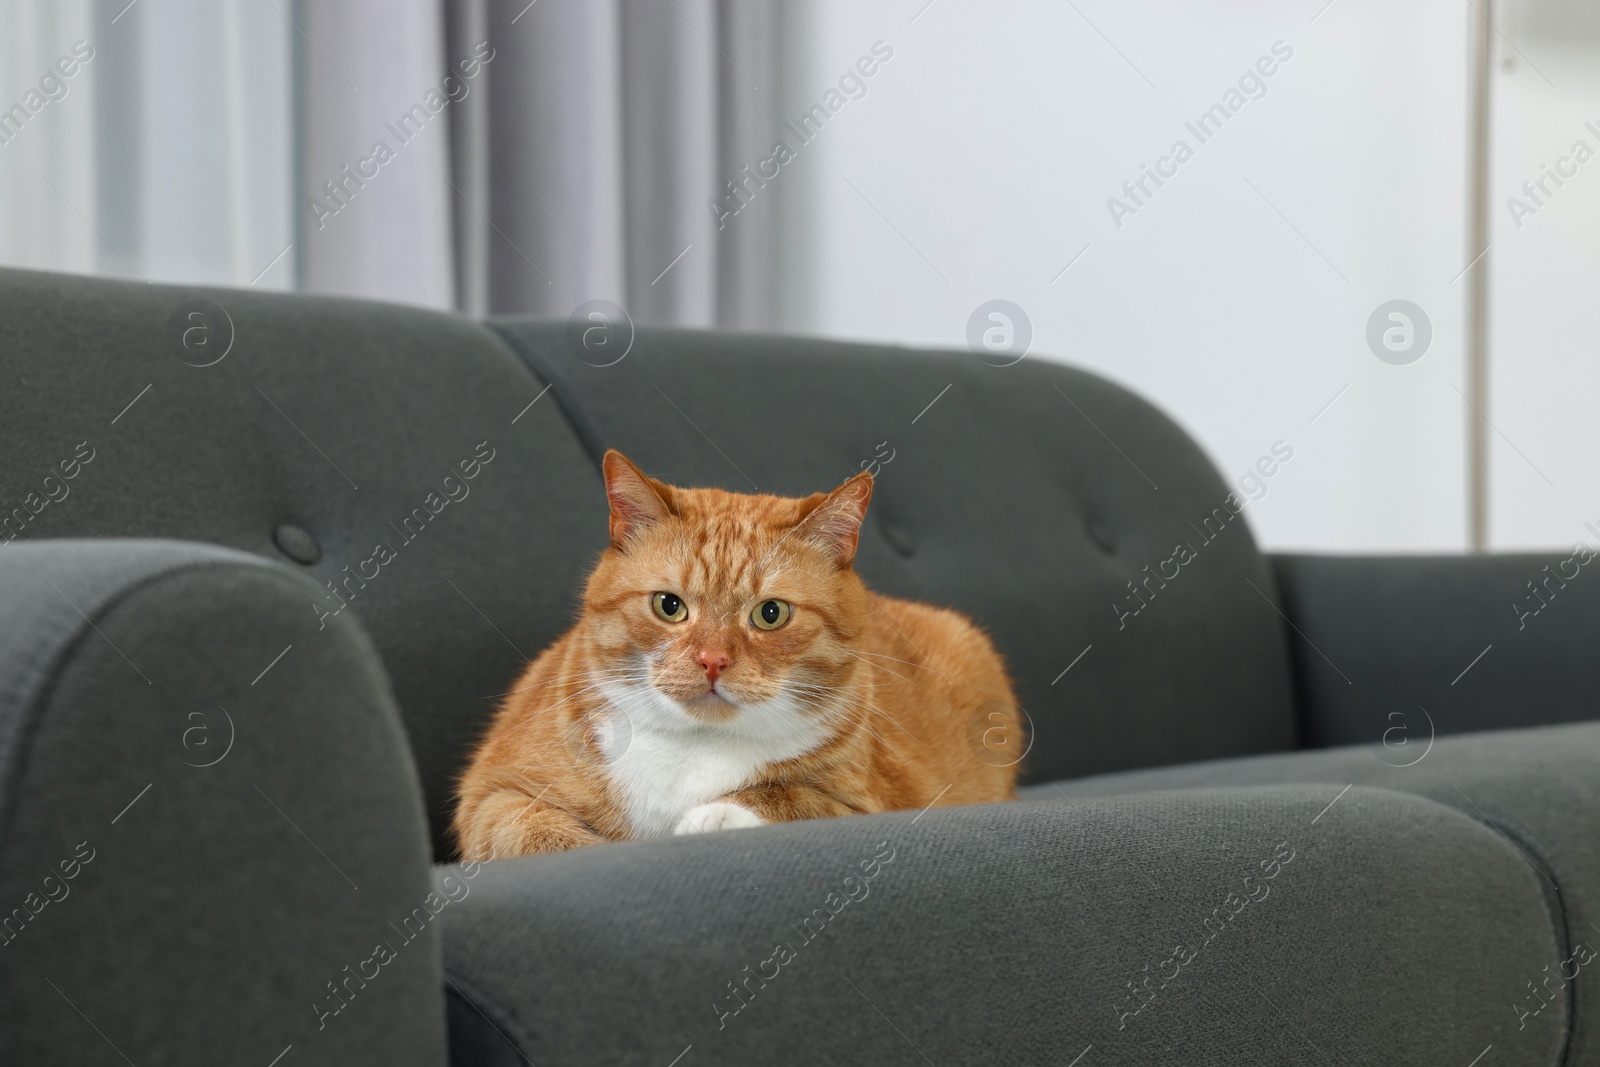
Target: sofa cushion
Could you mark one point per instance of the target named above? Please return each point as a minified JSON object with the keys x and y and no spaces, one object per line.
{"x":1537,"y":789}
{"x":1213,"y":926}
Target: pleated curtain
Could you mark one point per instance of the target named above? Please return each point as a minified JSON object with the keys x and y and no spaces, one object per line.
{"x":486,"y":156}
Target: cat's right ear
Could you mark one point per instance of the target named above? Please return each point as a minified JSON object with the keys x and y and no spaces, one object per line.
{"x":636,"y":498}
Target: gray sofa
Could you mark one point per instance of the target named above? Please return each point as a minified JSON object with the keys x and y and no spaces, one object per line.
{"x":268,"y":559}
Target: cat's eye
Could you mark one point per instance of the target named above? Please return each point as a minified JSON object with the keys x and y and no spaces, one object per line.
{"x":770,"y":614}
{"x":669,"y":607}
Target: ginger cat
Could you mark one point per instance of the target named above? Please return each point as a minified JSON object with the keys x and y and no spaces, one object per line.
{"x":728,"y":670}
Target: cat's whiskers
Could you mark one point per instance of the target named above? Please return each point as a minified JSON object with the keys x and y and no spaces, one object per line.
{"x":879,"y":612}
{"x":880,"y":655}
{"x":845,"y":685}
{"x":828,"y":700}
{"x":860,"y":719}
{"x":822,"y":704}
{"x":555,"y":681}
{"x":821,"y":700}
{"x":872,"y":681}
{"x":627,"y":696}
{"x":601,"y":684}
{"x":881,"y":667}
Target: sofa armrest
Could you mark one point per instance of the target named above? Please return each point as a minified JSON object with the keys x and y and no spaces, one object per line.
{"x":209,"y":819}
{"x":1462,"y":642}
{"x":1238,"y":926}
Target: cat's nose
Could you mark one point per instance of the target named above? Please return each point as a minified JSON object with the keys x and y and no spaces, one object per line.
{"x":714,"y":663}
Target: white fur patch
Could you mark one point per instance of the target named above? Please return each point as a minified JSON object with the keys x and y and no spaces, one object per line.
{"x":718,"y":815}
{"x":664,"y":762}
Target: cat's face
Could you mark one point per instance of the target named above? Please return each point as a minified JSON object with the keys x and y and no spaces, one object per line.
{"x":727,"y":604}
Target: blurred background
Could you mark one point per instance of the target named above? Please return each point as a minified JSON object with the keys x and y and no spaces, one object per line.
{"x":1216,"y":203}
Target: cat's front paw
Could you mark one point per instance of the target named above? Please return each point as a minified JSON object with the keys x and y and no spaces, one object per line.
{"x":718,"y":815}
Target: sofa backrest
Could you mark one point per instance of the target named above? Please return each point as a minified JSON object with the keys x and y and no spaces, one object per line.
{"x":393,"y":454}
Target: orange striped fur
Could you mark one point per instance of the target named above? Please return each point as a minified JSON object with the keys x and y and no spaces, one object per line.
{"x":633,"y":725}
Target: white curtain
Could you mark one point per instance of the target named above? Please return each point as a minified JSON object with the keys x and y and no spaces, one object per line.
{"x":371,"y":228}
{"x":162,"y":155}
{"x":486,"y":155}
{"x":47,"y":160}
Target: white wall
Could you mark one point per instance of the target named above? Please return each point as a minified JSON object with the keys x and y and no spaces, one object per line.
{"x":1544,"y":277}
{"x":982,"y":158}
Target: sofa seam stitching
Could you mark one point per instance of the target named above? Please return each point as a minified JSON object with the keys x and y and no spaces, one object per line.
{"x":578,"y":420}
{"x":1560,"y":925}
{"x":475,"y":997}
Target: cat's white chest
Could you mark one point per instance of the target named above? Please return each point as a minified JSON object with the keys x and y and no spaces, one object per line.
{"x":662,"y":768}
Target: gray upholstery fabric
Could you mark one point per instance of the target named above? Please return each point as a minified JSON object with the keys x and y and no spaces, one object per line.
{"x":1538,"y":789}
{"x":1025,"y":496}
{"x":196,"y":834}
{"x":443,"y":474}
{"x":1396,"y":634}
{"x":1009,"y":934}
{"x":394,"y":398}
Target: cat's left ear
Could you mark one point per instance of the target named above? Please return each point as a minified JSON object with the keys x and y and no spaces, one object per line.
{"x":637,"y":500}
{"x":835,"y":524}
